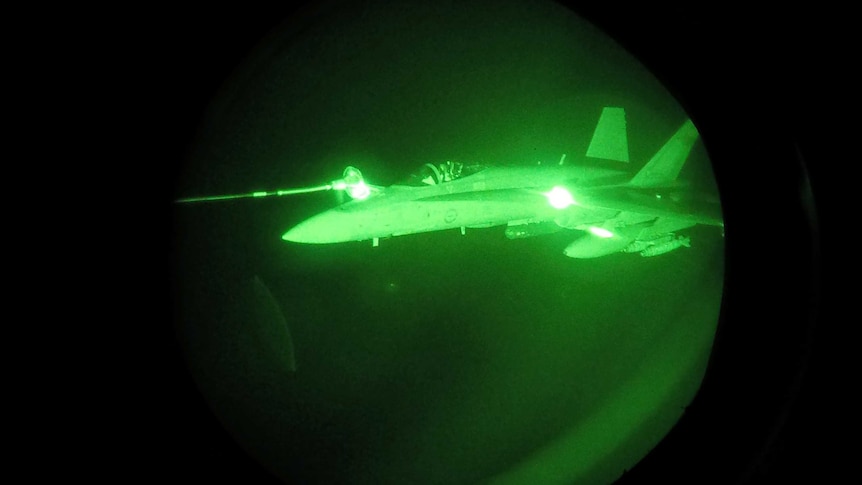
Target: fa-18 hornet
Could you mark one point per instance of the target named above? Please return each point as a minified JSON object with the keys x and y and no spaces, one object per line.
{"x":619,"y":212}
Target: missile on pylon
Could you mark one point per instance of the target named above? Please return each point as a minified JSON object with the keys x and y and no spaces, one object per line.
{"x":657,"y":249}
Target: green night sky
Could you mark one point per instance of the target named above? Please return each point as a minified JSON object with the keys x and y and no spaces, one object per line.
{"x":433,"y":358}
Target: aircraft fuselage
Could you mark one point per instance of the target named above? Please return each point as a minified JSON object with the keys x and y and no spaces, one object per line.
{"x":491,"y":197}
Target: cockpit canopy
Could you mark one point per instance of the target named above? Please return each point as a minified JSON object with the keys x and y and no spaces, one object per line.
{"x":431,"y":174}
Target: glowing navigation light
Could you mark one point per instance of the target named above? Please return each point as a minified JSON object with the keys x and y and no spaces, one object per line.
{"x":601,"y":232}
{"x":559,"y":198}
{"x":353,"y":183}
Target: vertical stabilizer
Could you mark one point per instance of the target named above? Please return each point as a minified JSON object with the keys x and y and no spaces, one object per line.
{"x":610,"y":140}
{"x":666,"y":164}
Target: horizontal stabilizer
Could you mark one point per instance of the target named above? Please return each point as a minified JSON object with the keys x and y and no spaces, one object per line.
{"x":610,"y":140}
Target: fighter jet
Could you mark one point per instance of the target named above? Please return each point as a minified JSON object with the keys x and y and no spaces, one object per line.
{"x":617,"y":211}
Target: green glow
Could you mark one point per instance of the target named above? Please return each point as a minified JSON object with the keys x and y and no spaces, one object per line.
{"x":601,"y":232}
{"x":359,"y":191}
{"x":436,"y":357}
{"x":258,"y":194}
{"x":609,"y":140}
{"x":559,"y":198}
{"x":351,"y":181}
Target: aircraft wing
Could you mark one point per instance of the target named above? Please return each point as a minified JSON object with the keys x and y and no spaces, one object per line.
{"x":643,"y":221}
{"x":679,"y":205}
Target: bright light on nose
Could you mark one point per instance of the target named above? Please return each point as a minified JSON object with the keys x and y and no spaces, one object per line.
{"x":559,"y":198}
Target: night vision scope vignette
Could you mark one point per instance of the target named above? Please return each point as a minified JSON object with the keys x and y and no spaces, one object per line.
{"x":377,"y":350}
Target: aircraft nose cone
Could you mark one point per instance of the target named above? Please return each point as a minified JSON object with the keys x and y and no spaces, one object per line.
{"x":328,"y":227}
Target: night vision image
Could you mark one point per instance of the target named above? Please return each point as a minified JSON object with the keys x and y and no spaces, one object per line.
{"x":446,"y":243}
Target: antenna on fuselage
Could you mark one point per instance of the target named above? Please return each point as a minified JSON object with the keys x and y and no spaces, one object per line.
{"x":351,"y":181}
